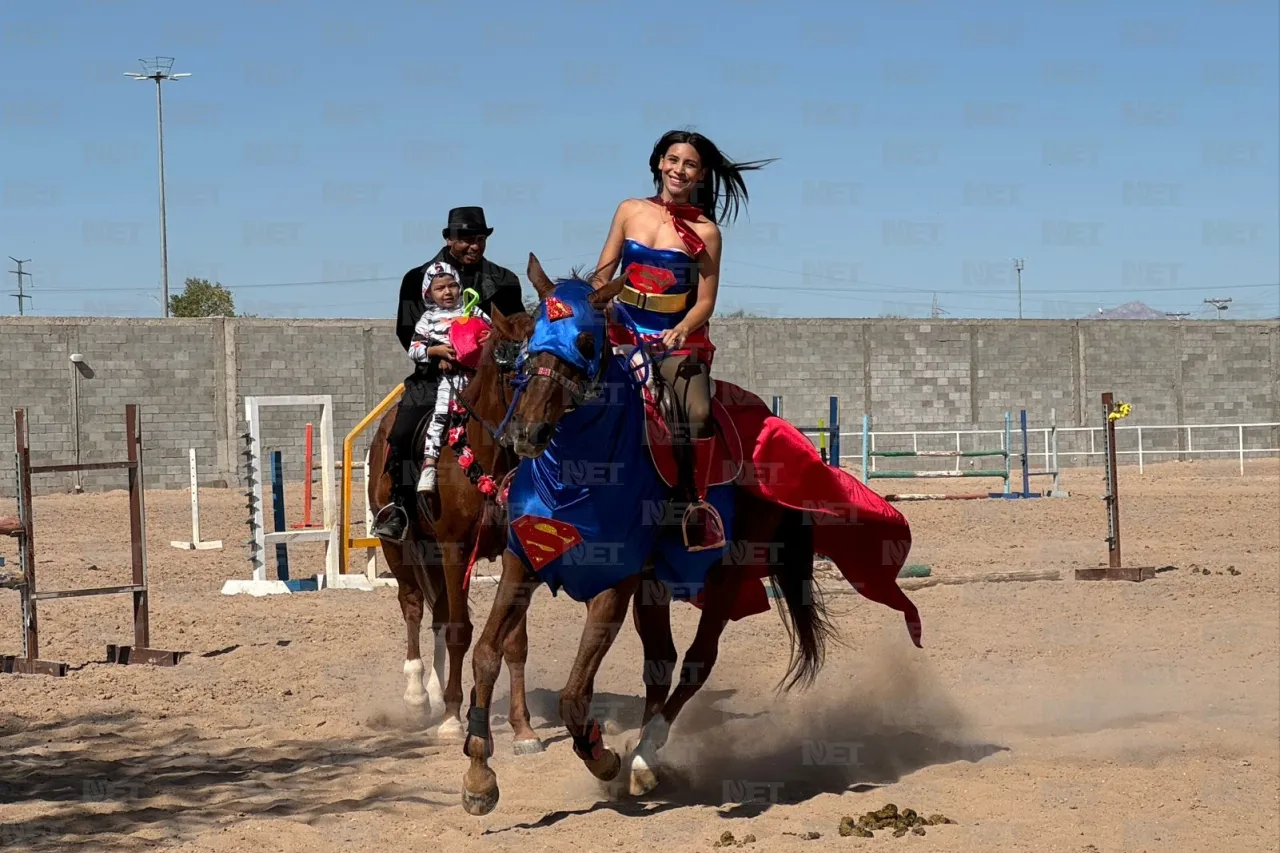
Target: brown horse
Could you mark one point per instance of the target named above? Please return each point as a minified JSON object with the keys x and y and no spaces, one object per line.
{"x":553,"y":386}
{"x":452,"y":524}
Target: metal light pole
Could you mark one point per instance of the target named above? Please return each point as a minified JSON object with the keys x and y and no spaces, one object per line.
{"x":158,"y":69}
{"x":1017,"y":266}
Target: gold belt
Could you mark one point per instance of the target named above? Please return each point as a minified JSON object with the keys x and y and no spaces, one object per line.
{"x":663,"y":303}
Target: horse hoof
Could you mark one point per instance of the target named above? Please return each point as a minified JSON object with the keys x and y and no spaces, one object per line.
{"x":606,"y":767}
{"x":479,"y":805}
{"x":643,"y":778}
{"x":528,"y":747}
{"x":415,"y":700}
{"x":451,"y":729}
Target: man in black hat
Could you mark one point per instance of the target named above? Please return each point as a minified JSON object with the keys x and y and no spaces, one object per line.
{"x":465,"y":237}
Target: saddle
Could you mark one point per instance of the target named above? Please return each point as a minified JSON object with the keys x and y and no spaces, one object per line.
{"x":660,"y":414}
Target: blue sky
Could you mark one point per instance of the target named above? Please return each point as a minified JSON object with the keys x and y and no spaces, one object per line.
{"x":1123,"y":150}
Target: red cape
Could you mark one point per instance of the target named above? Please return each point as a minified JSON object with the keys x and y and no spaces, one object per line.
{"x":857,"y":529}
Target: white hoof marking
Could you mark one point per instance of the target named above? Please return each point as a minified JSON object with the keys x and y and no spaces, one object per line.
{"x":643,"y":777}
{"x":439,"y":654}
{"x":413,"y":693}
{"x":451,"y":728}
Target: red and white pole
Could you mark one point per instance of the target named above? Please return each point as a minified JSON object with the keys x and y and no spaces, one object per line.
{"x":306,"y":485}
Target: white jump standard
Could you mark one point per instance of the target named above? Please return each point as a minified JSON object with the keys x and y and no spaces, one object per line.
{"x":260,"y":539}
{"x":195,"y":544}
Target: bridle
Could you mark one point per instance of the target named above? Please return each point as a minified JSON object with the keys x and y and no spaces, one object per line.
{"x":580,"y":391}
{"x":506,"y":355}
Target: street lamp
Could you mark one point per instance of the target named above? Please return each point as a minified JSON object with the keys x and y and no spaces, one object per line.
{"x":158,"y":69}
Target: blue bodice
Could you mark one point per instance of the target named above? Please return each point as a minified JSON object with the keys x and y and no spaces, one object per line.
{"x":656,"y":264}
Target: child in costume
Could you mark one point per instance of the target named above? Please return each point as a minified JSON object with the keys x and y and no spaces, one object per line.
{"x":441,"y":292}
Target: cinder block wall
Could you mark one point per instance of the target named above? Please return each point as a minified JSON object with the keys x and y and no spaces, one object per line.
{"x":190,"y":378}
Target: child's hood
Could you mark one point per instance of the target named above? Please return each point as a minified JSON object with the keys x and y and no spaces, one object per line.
{"x":435,"y":270}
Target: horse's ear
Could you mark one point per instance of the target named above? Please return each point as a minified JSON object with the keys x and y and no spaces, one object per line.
{"x":538,"y":278}
{"x":501,"y":324}
{"x":605,"y":294}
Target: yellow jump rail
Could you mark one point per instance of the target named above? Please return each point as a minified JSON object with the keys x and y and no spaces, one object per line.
{"x":350,"y":543}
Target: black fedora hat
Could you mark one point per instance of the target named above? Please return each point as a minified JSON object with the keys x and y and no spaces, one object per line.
{"x":467,"y":220}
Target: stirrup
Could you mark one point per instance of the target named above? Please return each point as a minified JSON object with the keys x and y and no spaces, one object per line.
{"x":384,"y":516}
{"x":712,"y":527}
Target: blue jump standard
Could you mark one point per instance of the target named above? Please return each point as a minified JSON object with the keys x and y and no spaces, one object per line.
{"x":282,"y":549}
{"x":831,"y":430}
{"x":1026,"y":470}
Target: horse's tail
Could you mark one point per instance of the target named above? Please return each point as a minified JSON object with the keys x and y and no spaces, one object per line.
{"x":803,"y":611}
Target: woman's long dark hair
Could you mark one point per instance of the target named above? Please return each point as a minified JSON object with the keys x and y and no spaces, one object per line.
{"x":721,"y":186}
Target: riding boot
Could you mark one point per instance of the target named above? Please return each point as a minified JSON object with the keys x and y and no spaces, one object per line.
{"x":702,"y":525}
{"x":392,"y":521}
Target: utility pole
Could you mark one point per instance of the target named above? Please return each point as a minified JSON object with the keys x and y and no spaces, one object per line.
{"x":21,"y":294}
{"x":1220,"y":304}
{"x":1017,"y":265}
{"x":158,"y":69}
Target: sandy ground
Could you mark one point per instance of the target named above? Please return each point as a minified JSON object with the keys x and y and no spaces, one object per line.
{"x":1049,"y":716}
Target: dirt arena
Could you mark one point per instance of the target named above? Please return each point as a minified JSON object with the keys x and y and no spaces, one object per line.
{"x":1047,"y":716}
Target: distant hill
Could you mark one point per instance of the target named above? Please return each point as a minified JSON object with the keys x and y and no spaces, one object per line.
{"x":1130,"y":311}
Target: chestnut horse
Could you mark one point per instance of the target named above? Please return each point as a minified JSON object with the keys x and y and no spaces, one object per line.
{"x":559,"y":421}
{"x":451,"y":525}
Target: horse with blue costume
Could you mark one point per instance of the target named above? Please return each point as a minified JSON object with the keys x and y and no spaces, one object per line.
{"x":577,"y":412}
{"x":585,"y":511}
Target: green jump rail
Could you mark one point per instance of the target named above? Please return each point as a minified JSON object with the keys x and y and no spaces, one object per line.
{"x":898,"y":454}
{"x":1004,"y":474}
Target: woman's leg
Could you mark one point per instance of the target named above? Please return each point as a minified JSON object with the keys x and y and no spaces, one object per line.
{"x":689,"y":380}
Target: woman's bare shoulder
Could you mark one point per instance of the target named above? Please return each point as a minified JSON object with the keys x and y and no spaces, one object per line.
{"x":707,"y":230}
{"x":633,"y":205}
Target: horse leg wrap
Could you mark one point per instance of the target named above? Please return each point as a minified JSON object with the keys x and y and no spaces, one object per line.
{"x":477,"y":727}
{"x":589,"y":746}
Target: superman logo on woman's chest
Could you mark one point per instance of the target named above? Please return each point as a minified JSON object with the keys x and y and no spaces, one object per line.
{"x":647,"y":279}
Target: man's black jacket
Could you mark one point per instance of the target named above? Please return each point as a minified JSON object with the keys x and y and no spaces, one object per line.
{"x":498,"y":288}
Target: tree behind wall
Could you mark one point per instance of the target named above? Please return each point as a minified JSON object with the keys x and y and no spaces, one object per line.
{"x":202,"y":298}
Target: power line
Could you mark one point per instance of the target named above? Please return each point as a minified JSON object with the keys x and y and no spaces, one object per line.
{"x":870,"y":287}
{"x":21,"y":294}
{"x":876,"y":287}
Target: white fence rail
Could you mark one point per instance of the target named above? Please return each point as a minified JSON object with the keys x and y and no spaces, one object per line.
{"x":1145,"y":443}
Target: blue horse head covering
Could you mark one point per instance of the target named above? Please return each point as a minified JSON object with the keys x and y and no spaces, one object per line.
{"x":565,"y":314}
